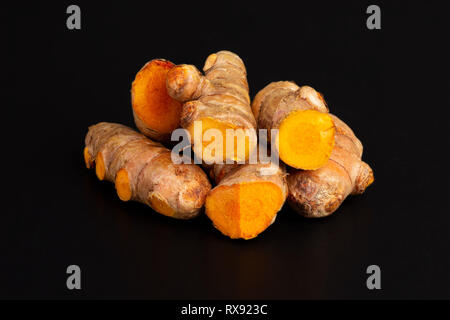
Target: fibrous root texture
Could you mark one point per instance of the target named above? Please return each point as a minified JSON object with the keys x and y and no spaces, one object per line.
{"x":217,"y":100}
{"x":142,"y":170}
{"x":318,"y":193}
{"x":156,"y":114}
{"x":247,"y":198}
{"x":305,"y":128}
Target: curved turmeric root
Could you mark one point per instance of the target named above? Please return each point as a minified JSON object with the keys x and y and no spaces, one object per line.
{"x":247,"y":198}
{"x":155,"y":113}
{"x":142,"y":170}
{"x":219,"y":100}
{"x":306,"y":130}
{"x":320,"y":192}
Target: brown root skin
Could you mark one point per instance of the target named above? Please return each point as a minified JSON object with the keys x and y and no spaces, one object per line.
{"x":142,"y":170}
{"x":319,"y":193}
{"x":218,"y":100}
{"x":306,"y":130}
{"x":247,"y":199}
{"x":155,"y":113}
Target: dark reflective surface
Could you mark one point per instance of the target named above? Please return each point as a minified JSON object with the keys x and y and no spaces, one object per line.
{"x":57,"y":213}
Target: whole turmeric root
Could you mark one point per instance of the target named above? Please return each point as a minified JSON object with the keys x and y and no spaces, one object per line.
{"x":142,"y":170}
{"x":318,"y":193}
{"x":247,"y":198}
{"x":155,"y":113}
{"x":306,"y":130}
{"x":219,"y":100}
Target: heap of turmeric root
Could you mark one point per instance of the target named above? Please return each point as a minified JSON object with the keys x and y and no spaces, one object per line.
{"x":320,"y":155}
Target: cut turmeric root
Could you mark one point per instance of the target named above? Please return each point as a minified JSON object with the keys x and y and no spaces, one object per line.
{"x":156,"y":114}
{"x":318,"y":193}
{"x":324,"y":152}
{"x":247,"y":198}
{"x":219,"y":100}
{"x":305,"y":129}
{"x":142,"y":170}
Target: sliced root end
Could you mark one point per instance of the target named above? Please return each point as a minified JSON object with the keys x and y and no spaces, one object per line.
{"x":306,"y":139}
{"x":241,"y":147}
{"x":244,"y":210}
{"x":100,"y":169}
{"x":87,"y":158}
{"x":160,"y":204}
{"x":123,"y":186}
{"x":151,"y":102}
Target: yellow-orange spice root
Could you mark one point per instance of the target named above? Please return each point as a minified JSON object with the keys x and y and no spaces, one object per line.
{"x":318,"y":193}
{"x":247,"y":198}
{"x":142,"y":170}
{"x":156,"y":114}
{"x":218,"y":100}
{"x":305,"y":129}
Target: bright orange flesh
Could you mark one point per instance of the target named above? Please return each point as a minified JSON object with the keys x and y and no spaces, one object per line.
{"x":150,"y":99}
{"x":100,"y":169}
{"x":244,"y":210}
{"x":306,"y":139}
{"x":159,"y":204}
{"x":87,"y":158}
{"x":122,"y":184}
{"x":241,"y":144}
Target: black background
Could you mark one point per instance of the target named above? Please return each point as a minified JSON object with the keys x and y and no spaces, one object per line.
{"x":389,"y":85}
